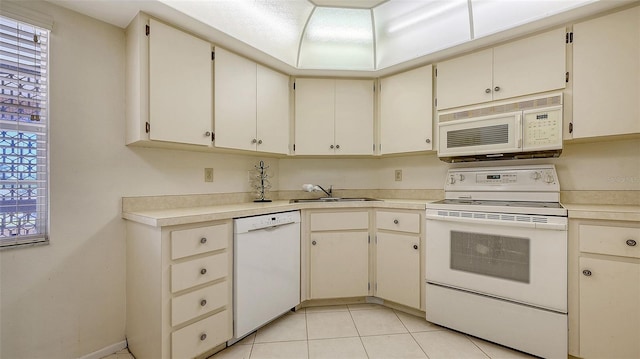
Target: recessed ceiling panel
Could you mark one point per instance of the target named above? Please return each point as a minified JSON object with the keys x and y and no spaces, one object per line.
{"x":363,"y":4}
{"x":492,"y":16}
{"x":272,"y":26}
{"x":338,"y":39}
{"x":408,"y":29}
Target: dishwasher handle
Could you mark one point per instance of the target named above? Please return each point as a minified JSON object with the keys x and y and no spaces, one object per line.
{"x":270,"y":227}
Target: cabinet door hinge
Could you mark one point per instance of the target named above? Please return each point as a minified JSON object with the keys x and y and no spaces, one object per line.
{"x":570,"y":127}
{"x":369,"y":239}
{"x":147,"y":127}
{"x":566,"y":77}
{"x":569,"y":38}
{"x":147,"y":30}
{"x":435,"y":102}
{"x":436,"y":72}
{"x":369,"y":286}
{"x":294,"y":85}
{"x":213,"y":55}
{"x":213,"y":136}
{"x":294,"y":147}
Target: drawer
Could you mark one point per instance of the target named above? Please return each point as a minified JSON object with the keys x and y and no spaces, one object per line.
{"x":398,"y":221}
{"x":198,"y":271}
{"x":188,"y":242}
{"x":339,"y":221}
{"x":616,"y":241}
{"x":202,"y":301}
{"x":201,"y":336}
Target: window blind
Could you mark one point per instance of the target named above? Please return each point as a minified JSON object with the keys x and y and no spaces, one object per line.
{"x":23,"y":133}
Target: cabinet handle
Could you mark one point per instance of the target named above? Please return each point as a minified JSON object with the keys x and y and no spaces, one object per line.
{"x":314,"y":243}
{"x":203,"y":240}
{"x":203,"y":336}
{"x":207,"y":134}
{"x":203,"y":302}
{"x":203,"y":271}
{"x":487,"y":91}
{"x":254,"y":141}
{"x":259,"y":142}
{"x":331,"y":147}
{"x":586,"y":272}
{"x":631,"y":243}
{"x":415,"y":246}
{"x":496,"y":89}
{"x":428,"y":140}
{"x":395,"y":221}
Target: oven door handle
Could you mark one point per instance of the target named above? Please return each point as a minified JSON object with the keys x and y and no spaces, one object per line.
{"x":551,"y":226}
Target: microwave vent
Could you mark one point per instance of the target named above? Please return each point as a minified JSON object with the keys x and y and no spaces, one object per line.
{"x":490,"y":135}
{"x":500,"y":109}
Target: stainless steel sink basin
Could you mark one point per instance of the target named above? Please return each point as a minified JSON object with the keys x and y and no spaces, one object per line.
{"x":332,"y":199}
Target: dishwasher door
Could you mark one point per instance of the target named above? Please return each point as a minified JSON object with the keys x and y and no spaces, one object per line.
{"x":266,"y":269}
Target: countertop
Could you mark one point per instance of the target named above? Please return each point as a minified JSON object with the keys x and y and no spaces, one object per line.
{"x":177,"y":216}
{"x":603,"y":212}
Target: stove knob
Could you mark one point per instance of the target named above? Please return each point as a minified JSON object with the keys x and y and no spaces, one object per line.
{"x":536,"y":176}
{"x":549,"y":178}
{"x":451,"y":180}
{"x":460,"y":177}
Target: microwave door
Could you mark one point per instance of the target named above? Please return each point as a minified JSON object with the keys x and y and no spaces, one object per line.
{"x":481,"y":136}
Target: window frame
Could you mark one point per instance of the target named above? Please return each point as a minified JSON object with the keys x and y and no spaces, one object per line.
{"x":20,"y":148}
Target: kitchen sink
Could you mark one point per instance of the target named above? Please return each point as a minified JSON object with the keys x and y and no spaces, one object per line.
{"x":333,"y":199}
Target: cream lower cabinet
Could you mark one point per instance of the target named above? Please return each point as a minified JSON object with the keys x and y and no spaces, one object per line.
{"x":604,"y":312}
{"x":337,"y":245}
{"x":179,"y":287}
{"x":398,"y":264}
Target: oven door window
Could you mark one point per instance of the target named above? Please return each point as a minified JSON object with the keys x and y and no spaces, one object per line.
{"x":491,"y":255}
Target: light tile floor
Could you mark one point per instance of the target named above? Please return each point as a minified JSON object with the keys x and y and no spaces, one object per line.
{"x":358,"y":331}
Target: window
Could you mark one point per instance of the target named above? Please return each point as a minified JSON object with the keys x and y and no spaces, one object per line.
{"x":23,"y":133}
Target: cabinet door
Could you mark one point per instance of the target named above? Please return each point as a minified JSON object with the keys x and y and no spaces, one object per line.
{"x":406,"y":111}
{"x":606,"y":75}
{"x":180,"y":91}
{"x":354,"y":117}
{"x":609,"y":309}
{"x":314,"y":115}
{"x":272,"y":111}
{"x":339,"y":264}
{"x":533,"y":65}
{"x":398,"y":268}
{"x":465,"y":80}
{"x":235,"y":101}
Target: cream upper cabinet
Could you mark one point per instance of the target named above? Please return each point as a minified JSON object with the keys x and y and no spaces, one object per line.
{"x":406,"y":112}
{"x":169,"y":84}
{"x":532,"y":65}
{"x":338,"y":254}
{"x":604,"y":292}
{"x":333,"y":117}
{"x":251,"y":105}
{"x":606,"y":75}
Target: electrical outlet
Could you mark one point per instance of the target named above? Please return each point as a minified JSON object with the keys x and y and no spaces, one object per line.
{"x":398,"y":175}
{"x":208,"y":174}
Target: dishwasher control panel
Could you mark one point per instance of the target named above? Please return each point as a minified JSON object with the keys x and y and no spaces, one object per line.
{"x":249,"y":224}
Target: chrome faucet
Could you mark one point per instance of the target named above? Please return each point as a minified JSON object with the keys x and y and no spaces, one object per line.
{"x":314,"y":187}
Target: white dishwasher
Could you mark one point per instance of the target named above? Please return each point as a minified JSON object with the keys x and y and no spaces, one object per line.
{"x":266,"y":269}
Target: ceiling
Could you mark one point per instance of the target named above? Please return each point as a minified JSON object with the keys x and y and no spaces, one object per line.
{"x":370,"y":36}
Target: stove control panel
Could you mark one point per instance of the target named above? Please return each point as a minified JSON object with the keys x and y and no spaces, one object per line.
{"x":535,"y":178}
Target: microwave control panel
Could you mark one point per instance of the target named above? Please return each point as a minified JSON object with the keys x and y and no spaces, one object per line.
{"x":542,"y":129}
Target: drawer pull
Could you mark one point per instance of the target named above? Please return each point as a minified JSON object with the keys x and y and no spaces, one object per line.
{"x":203,"y":240}
{"x":314,"y":243}
{"x":415,"y":246}
{"x":203,"y":271}
{"x":631,"y":243}
{"x":203,"y":302}
{"x":395,"y":221}
{"x":586,"y":272}
{"x":203,"y":336}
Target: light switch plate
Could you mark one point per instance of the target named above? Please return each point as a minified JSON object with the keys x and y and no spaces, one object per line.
{"x":208,"y":174}
{"x":398,"y":175}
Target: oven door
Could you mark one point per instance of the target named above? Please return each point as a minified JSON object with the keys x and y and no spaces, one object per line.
{"x":506,"y":257}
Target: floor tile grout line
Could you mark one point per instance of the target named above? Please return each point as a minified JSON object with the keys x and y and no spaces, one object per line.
{"x":477,"y":346}
{"x":410,"y":333}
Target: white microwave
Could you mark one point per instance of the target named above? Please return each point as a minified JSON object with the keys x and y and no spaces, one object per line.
{"x":530,"y":133}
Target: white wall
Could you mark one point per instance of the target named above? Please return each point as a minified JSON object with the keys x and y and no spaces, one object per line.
{"x":67,"y":299}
